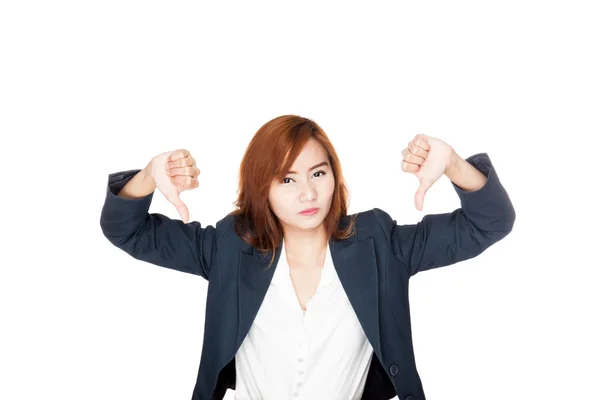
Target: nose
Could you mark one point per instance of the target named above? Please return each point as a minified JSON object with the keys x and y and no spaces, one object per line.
{"x":309,"y":193}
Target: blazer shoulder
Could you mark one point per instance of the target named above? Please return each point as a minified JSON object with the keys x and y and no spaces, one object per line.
{"x":225,"y":223}
{"x":225,"y":227}
{"x":369,"y":222}
{"x":228,"y":241}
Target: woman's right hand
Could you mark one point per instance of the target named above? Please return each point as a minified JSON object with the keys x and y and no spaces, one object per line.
{"x":173,"y":172}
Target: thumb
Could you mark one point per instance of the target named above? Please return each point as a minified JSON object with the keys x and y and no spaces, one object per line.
{"x":420,"y":195}
{"x":181,"y":207}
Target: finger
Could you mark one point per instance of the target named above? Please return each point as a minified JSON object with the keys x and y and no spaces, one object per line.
{"x":183,"y":171}
{"x":416,"y":150}
{"x":182,"y":162}
{"x":186,"y":182}
{"x":184,"y":213}
{"x":177,"y":154}
{"x":408,"y":167}
{"x":411,"y":158}
{"x":420,"y":196}
{"x":180,"y":206}
{"x":421,"y":141}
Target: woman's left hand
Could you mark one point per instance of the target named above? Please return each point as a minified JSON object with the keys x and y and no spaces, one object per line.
{"x":428,"y":158}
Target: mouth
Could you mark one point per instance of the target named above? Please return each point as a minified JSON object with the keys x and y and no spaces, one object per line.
{"x":309,"y":211}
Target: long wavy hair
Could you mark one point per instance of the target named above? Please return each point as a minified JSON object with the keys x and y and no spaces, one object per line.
{"x":269,"y":155}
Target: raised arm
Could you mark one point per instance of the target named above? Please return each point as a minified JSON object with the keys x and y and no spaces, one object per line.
{"x":486,"y":216}
{"x":154,"y":238}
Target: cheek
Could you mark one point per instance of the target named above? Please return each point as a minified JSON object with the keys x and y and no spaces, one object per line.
{"x":329,"y":188}
{"x":280,"y":202}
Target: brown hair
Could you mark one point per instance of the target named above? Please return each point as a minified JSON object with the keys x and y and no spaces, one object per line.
{"x":270,"y":154}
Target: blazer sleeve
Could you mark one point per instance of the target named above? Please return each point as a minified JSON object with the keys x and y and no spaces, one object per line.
{"x":485,"y":216}
{"x":155,"y":238}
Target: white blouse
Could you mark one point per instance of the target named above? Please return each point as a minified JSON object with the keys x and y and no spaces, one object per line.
{"x":289,"y":353}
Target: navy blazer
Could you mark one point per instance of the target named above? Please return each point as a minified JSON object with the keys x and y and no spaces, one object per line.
{"x":374,"y":267}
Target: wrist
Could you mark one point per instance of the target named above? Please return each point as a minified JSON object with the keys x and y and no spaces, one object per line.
{"x":453,"y":164}
{"x":141,"y":185}
{"x":147,"y":175}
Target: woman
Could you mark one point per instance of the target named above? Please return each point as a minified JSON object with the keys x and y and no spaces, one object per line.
{"x":303,"y":300}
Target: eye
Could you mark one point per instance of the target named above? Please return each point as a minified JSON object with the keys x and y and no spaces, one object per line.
{"x":318,"y":172}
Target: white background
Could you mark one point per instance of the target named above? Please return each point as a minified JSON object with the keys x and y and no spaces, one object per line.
{"x":90,"y":88}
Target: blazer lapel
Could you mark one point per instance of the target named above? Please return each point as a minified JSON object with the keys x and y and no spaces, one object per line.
{"x":253,"y":281}
{"x":355,"y":265}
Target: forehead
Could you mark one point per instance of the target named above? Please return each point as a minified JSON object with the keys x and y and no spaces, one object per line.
{"x":311,"y":153}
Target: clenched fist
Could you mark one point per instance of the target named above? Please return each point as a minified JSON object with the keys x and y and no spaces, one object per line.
{"x":427,"y":158}
{"x":173,"y":172}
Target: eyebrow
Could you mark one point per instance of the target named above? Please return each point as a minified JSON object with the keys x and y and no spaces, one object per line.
{"x":313,"y":167}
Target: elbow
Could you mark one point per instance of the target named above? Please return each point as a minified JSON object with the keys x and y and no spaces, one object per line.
{"x":509,"y":220}
{"x":499,"y":228}
{"x":503,"y":226}
{"x":116,"y":236}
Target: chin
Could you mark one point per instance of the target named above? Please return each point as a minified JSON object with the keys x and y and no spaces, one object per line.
{"x":311,"y":223}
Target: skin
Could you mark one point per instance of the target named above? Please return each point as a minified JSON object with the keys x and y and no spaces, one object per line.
{"x":426,"y":157}
{"x":429,"y":158}
{"x":304,"y":236}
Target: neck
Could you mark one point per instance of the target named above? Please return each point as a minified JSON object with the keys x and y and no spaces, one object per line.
{"x":305,"y":248}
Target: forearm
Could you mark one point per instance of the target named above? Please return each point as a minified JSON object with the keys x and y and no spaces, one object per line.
{"x":140,"y":185}
{"x":464,"y":175}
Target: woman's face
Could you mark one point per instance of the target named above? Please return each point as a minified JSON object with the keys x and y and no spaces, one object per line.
{"x":304,"y":187}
